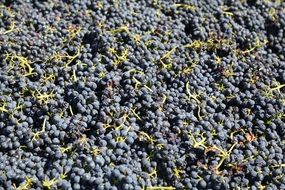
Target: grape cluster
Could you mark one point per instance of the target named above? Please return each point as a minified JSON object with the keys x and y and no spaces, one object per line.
{"x":149,"y":94}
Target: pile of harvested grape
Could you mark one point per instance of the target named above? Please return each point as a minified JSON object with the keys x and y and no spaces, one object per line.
{"x":142,"y":94}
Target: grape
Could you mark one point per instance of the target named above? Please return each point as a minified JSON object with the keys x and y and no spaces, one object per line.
{"x":142,"y":94}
